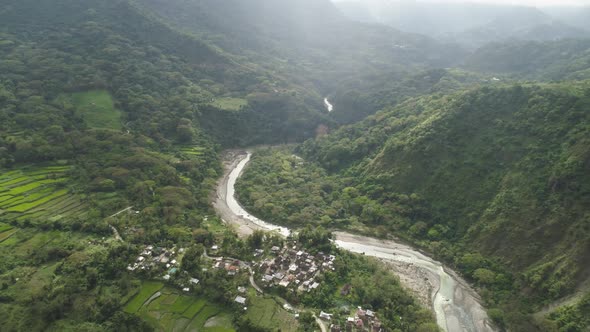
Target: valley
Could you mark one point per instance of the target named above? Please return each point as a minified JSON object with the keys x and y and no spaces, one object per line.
{"x":456,"y":305}
{"x":294,"y":165}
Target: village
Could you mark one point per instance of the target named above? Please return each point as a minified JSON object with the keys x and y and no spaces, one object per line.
{"x":289,"y":267}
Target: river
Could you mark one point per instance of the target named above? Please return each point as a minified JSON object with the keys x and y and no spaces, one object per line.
{"x":328,"y":105}
{"x":455,"y":303}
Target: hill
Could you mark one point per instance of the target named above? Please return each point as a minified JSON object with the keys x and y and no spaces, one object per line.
{"x":550,"y":60}
{"x":309,"y":41}
{"x":493,"y":180}
{"x":470,"y":24}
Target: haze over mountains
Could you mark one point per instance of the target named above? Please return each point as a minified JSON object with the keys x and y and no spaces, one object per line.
{"x":472,"y":24}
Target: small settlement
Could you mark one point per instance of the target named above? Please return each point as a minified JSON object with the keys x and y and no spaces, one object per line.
{"x":162,"y":260}
{"x":289,"y":267}
{"x":363,"y":320}
{"x":293,"y":268}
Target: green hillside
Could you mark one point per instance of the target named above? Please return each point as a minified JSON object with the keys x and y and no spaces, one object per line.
{"x":492,"y":180}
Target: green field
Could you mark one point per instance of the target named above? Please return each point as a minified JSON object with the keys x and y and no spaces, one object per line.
{"x":267,"y":313}
{"x":192,"y":150}
{"x":97,"y":108}
{"x":37,"y":195}
{"x":230,"y":104}
{"x":176,"y":311}
{"x":148,"y":288}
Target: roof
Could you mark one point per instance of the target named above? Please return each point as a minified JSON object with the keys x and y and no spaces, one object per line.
{"x":194,"y":281}
{"x":325,"y":315}
{"x":240,"y":300}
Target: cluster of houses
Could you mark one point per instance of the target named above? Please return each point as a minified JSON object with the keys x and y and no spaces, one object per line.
{"x":158,"y":259}
{"x":363,"y":321}
{"x":294,"y":268}
{"x":232,"y":267}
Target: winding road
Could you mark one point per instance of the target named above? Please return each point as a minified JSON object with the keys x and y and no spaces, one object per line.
{"x":455,"y":303}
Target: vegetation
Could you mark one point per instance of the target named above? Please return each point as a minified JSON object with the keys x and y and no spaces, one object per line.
{"x":180,"y":312}
{"x":97,"y":108}
{"x":113,"y":114}
{"x":405,"y":171}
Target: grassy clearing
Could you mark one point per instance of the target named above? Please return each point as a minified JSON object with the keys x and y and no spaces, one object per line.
{"x":148,"y":288}
{"x":229,"y":104}
{"x":97,"y":108}
{"x":193,"y":150}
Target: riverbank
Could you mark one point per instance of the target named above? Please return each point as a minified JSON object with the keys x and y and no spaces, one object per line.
{"x":456,"y":305}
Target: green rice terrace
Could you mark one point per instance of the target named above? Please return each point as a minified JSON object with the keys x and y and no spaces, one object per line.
{"x":37,"y":194}
{"x":166,"y":309}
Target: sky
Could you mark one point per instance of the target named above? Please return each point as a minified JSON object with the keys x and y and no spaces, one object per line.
{"x":535,"y":3}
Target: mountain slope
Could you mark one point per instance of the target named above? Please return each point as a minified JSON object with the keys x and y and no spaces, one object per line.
{"x":306,"y":40}
{"x":493,"y":180}
{"x":551,"y":60}
{"x":470,"y":24}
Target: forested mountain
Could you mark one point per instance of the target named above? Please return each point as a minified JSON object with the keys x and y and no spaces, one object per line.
{"x":556,"y":60}
{"x":494,"y":180}
{"x":466,"y":23}
{"x":307,"y":40}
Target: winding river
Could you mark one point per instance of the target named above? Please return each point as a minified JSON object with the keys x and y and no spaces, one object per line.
{"x":456,"y":305}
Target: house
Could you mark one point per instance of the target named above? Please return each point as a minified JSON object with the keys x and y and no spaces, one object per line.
{"x":267,"y":278}
{"x":359,"y":323}
{"x":325,"y":316}
{"x":215,"y":248}
{"x":278,"y":276}
{"x":275,"y":249}
{"x":361,"y":313}
{"x":232,"y":270}
{"x":369,"y":313}
{"x":185,"y":289}
{"x":241,"y":300}
{"x":241,"y":289}
{"x":285,"y":283}
{"x":194,"y":281}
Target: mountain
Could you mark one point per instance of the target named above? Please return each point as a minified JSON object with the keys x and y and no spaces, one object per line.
{"x":550,"y":60}
{"x":469,"y":24}
{"x":308,"y":40}
{"x":498,"y":180}
{"x":575,"y":16}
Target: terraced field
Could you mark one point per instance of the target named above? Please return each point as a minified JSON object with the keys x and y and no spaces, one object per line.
{"x":173,"y":311}
{"x":37,"y":195}
{"x":193,"y":151}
